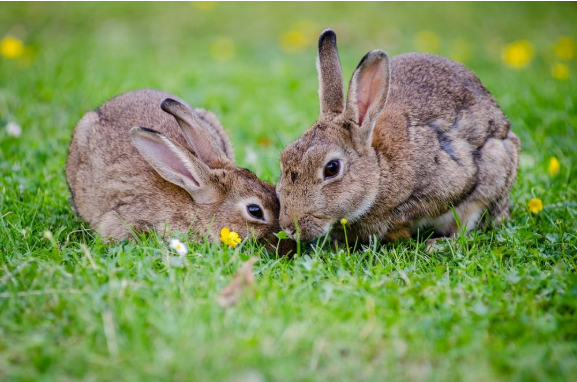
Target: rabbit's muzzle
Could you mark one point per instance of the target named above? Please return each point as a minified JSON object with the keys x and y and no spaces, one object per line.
{"x":305,"y":228}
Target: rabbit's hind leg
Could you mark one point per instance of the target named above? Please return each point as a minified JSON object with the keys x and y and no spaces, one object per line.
{"x":447,"y":227}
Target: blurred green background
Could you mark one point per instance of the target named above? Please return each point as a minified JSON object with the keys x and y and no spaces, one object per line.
{"x":253,"y":64}
{"x":504,"y":309}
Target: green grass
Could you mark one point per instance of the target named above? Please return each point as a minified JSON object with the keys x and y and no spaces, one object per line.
{"x":499,"y":305}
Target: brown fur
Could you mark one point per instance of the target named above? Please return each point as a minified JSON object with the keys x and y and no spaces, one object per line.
{"x":116,"y":188}
{"x":418,"y":136}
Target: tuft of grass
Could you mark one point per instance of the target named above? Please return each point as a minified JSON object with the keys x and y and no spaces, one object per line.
{"x":496,"y":305}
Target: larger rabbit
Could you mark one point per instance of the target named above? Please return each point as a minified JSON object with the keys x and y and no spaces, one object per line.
{"x":146,"y":160}
{"x":417,"y":136}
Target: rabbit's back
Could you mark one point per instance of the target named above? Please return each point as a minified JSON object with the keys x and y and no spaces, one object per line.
{"x":142,"y":108}
{"x":444,"y":95}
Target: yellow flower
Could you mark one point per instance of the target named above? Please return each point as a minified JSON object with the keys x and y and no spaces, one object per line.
{"x":204,"y":5}
{"x":565,"y":48}
{"x":222,"y":48}
{"x":229,"y":237}
{"x":560,"y":71}
{"x":427,"y":41}
{"x":293,"y":41}
{"x":554,"y":166}
{"x":11,"y":47}
{"x":517,"y":55}
{"x":301,"y":35}
{"x":344,"y":221}
{"x":535,"y":205}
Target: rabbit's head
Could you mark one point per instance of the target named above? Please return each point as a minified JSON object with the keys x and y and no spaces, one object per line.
{"x":332,"y":171}
{"x":223,"y":195}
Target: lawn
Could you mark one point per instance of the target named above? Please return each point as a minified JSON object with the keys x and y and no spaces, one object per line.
{"x":496,"y":305}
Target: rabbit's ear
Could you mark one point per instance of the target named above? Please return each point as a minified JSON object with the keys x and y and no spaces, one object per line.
{"x":175,"y":164}
{"x":331,"y":90}
{"x":368,"y":93}
{"x":195,"y":134}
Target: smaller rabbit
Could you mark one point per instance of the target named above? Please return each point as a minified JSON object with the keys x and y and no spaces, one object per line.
{"x":146,"y":160}
{"x":416,"y":137}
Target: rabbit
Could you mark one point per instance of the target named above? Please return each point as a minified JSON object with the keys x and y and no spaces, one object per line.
{"x":418,"y":139}
{"x":146,"y":160}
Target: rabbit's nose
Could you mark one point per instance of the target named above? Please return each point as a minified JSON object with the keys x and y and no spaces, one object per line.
{"x":288,"y":226}
{"x":290,"y":231}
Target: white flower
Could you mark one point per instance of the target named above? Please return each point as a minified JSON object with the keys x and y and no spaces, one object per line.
{"x":251,"y":158}
{"x":13,"y":129}
{"x":179,"y":247}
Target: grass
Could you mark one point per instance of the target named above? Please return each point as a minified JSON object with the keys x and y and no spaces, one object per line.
{"x":499,"y":305}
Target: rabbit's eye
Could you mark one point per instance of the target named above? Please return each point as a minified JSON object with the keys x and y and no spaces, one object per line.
{"x":255,"y":211}
{"x":332,"y":168}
